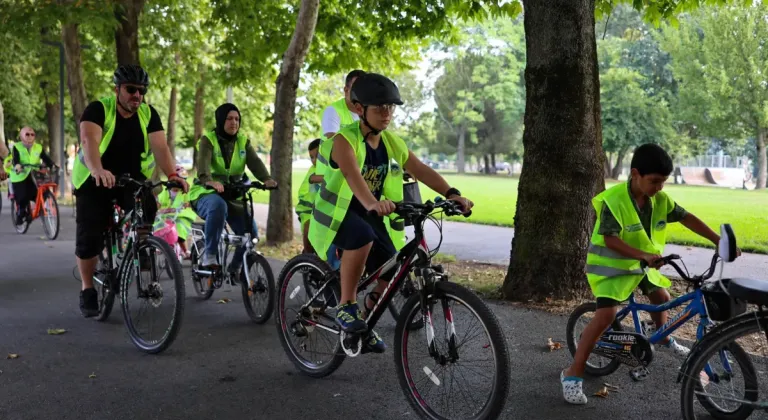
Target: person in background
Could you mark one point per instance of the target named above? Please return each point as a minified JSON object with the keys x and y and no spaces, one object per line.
{"x":306,"y":197}
{"x":173,"y":204}
{"x":26,"y":152}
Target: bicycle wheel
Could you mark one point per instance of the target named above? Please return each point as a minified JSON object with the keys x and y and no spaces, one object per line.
{"x":50,"y":216}
{"x":259,"y":295}
{"x":700,"y":376}
{"x":301,"y":331}
{"x":23,"y":226}
{"x":595,"y":366}
{"x":147,"y":280}
{"x":429,"y":370}
{"x":105,"y":291}
{"x":203,"y":289}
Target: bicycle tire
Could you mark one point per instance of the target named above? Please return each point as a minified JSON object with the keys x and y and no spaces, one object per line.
{"x":197,"y":282}
{"x":282,"y":323}
{"x":106,"y":292}
{"x":251,"y":259}
{"x":704,"y":350}
{"x":496,"y":402}
{"x":57,"y":224}
{"x":178,"y":280}
{"x":575,"y":315}
{"x":20,"y":228}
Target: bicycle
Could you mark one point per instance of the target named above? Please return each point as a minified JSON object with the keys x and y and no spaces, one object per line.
{"x":45,"y":203}
{"x":131,"y":250}
{"x":698,"y":373}
{"x":636,"y":348}
{"x":315,"y":316}
{"x":257,"y":290}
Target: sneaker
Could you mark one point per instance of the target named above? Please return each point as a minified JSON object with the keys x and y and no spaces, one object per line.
{"x":89,"y":302}
{"x":208,"y":260}
{"x":373,"y":343}
{"x":572,"y":390}
{"x":677,"y":348}
{"x":349,"y":319}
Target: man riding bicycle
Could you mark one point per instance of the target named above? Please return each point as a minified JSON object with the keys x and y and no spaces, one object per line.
{"x":26,"y":152}
{"x":223,"y":154}
{"x":120,"y":135}
{"x":359,"y":179}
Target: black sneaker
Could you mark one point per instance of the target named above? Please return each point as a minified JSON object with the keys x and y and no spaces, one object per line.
{"x":89,"y":302}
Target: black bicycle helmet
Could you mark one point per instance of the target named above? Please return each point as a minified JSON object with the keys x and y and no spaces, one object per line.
{"x":375,"y":89}
{"x":130,"y":73}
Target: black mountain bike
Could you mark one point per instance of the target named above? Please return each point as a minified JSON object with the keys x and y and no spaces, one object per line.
{"x":132,"y":256}
{"x":429,"y":371}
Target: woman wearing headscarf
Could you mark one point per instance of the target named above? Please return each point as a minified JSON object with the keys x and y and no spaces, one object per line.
{"x":223,"y":154}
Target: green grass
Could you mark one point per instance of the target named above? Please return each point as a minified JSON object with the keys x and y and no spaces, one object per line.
{"x":495,"y":198}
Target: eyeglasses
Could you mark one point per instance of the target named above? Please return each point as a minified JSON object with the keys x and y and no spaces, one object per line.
{"x":133,"y":89}
{"x":29,"y":135}
{"x":385,"y":109}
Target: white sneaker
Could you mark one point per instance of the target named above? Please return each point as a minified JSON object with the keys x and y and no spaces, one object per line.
{"x":572,"y":391}
{"x":677,"y":348}
{"x":208,"y":260}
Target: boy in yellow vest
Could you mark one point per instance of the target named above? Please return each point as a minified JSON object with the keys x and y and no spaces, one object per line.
{"x":359,"y":179}
{"x":307,"y":192}
{"x":632,"y":220}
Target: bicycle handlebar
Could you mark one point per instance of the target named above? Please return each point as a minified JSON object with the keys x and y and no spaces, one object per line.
{"x":244,"y":185}
{"x":669,"y":259}
{"x":449,"y":207}
{"x":146,"y":184}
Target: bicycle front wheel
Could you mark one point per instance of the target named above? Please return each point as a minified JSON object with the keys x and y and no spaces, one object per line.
{"x":152,"y":300}
{"x":259,"y":293}
{"x":50,"y":217}
{"x":467,"y":345}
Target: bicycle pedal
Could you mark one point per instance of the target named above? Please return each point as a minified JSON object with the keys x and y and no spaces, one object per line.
{"x":352,"y":344}
{"x":639,"y":373}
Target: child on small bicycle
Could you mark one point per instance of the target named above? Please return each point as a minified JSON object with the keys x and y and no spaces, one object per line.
{"x":631,"y":227}
{"x":358,"y":179}
{"x":173,"y":205}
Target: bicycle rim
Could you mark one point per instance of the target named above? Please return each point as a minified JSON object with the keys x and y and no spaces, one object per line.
{"x":148,"y":280}
{"x":50,"y":217}
{"x":259,"y":294}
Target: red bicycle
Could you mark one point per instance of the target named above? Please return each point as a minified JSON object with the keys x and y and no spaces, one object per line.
{"x":45,"y":206}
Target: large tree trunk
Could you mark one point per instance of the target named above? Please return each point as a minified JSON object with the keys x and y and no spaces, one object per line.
{"x":53,"y":122}
{"x":127,"y":32}
{"x":74,"y":67}
{"x":3,"y":147}
{"x":619,"y":163}
{"x":486,"y":167}
{"x":170,"y":129}
{"x":607,"y":164}
{"x":562,"y":162}
{"x":199,"y":118}
{"x":280,"y":221}
{"x":762,"y":162}
{"x":460,"y":151}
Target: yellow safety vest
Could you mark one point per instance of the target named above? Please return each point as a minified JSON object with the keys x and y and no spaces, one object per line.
{"x":307,"y":193}
{"x":26,"y":157}
{"x":346,"y":117}
{"x":219,"y":169}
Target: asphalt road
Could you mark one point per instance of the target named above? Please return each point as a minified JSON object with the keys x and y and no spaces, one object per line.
{"x":224,"y":366}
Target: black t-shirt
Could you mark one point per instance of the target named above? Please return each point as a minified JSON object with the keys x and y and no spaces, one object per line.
{"x":375,"y":169}
{"x":123,"y":156}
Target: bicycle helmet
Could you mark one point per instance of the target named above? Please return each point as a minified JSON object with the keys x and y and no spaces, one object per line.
{"x":374,"y":89}
{"x":130,"y":73}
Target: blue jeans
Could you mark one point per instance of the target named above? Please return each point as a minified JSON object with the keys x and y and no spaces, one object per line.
{"x":215,"y":211}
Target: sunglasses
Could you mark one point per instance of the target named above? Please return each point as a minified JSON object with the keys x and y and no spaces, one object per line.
{"x":29,"y":134}
{"x":133,"y":89}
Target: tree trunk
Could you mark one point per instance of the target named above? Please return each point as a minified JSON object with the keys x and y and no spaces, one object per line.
{"x":762,"y":162}
{"x":74,"y":67}
{"x":562,"y":160}
{"x":460,"y":151}
{"x":607,"y":164}
{"x":170,"y":129}
{"x":127,"y":32}
{"x":199,"y":120}
{"x":622,"y":153}
{"x":486,"y":168}
{"x":280,"y":221}
{"x":3,"y":146}
{"x":52,"y":121}
{"x":493,"y":163}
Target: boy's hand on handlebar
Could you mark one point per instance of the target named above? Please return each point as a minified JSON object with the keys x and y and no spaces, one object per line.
{"x":216,"y":186}
{"x":103,"y":178}
{"x":653,"y":261}
{"x":270,"y":183}
{"x":465,"y":203}
{"x":179,"y":180}
{"x":382,"y":208}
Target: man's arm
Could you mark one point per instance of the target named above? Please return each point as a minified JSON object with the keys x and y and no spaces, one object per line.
{"x":4,"y":152}
{"x":426,"y":174}
{"x":315,"y":179}
{"x":344,"y":156}
{"x":90,"y":136}
{"x":696,"y":225}
{"x":162,"y":153}
{"x":331,"y":122}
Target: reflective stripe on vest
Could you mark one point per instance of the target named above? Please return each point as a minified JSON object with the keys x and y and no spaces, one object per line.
{"x":332,"y":202}
{"x":26,"y":157}
{"x":307,"y":193}
{"x":611,"y":274}
{"x":219,"y":170}
{"x":81,"y":172}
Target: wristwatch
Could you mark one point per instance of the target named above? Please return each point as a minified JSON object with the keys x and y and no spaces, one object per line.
{"x":452,"y":191}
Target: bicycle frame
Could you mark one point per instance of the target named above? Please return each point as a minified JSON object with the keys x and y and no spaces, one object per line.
{"x":41,"y":189}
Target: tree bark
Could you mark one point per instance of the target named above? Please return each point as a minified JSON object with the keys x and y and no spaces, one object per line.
{"x":199,"y":119}
{"x":762,"y":162}
{"x":486,"y":167}
{"x":170,"y":131}
{"x":622,"y":153}
{"x":607,"y":164}
{"x":460,"y":150}
{"x":52,"y":121}
{"x":493,"y":163}
{"x":3,"y":146}
{"x":74,"y":68}
{"x":280,"y":221}
{"x":562,"y":161}
{"x":127,"y":32}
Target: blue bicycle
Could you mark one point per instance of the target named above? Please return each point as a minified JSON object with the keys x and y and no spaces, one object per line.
{"x":635,"y":348}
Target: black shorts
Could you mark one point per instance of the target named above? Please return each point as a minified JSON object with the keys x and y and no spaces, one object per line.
{"x":645,"y":286}
{"x":358,"y":230}
{"x":94,"y":210}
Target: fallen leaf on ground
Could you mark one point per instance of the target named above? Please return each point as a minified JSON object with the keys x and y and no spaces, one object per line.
{"x":603,"y":393}
{"x":56,"y":331}
{"x":613,"y":388}
{"x":92,"y":376}
{"x":13,"y":356}
{"x":225,"y":300}
{"x":553,"y":345}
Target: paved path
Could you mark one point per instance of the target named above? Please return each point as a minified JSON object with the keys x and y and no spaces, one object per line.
{"x":51,"y":380}
{"x":492,"y":244}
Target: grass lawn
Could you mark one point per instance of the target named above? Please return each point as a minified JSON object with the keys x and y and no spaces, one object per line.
{"x":495,"y":198}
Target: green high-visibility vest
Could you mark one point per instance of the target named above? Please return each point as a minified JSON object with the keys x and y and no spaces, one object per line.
{"x":26,"y":157}
{"x":611,"y":274}
{"x":307,"y":193}
{"x":219,"y":169}
{"x":81,"y":172}
{"x":346,"y":117}
{"x":333,"y":199}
